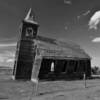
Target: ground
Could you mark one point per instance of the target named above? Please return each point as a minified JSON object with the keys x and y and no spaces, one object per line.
{"x":49,"y":90}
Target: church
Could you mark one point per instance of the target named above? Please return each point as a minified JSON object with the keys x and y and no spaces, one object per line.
{"x":39,"y":57}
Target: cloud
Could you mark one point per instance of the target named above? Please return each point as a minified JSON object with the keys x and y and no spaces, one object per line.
{"x":84,"y":14}
{"x":7,"y":53}
{"x":67,"y":2}
{"x":96,"y":40}
{"x":12,"y":39}
{"x":7,"y":58}
{"x":8,"y":44}
{"x":94,"y":20}
{"x":10,"y":60}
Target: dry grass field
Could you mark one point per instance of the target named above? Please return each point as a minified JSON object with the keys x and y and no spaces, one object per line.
{"x":48,"y":90}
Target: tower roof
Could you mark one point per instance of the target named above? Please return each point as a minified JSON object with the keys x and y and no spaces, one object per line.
{"x":30,"y":17}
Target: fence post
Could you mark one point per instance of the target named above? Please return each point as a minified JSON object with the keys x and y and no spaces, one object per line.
{"x":84,"y":79}
{"x":34,"y":88}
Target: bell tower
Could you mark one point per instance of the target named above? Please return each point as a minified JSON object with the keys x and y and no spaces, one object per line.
{"x":26,"y":48}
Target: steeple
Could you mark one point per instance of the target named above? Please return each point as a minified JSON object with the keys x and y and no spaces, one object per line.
{"x":30,"y":17}
{"x":26,"y":48}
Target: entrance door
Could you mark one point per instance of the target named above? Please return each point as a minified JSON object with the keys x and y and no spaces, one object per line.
{"x":45,"y":68}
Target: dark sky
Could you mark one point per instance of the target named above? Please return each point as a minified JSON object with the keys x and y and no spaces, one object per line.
{"x":61,"y":19}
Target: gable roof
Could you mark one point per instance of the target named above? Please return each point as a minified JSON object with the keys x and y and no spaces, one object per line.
{"x":49,"y":47}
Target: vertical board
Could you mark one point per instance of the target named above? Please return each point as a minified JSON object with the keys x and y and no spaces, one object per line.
{"x":25,"y":60}
{"x":36,"y":67}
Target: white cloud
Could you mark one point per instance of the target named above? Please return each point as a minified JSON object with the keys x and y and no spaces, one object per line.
{"x":83,"y":14}
{"x":10,"y":53}
{"x":10,"y":60}
{"x":7,"y":53}
{"x":94,"y":20}
{"x":8,"y":39}
{"x":8,"y":44}
{"x":96,"y":40}
{"x":86,"y":13}
{"x":68,"y":2}
{"x":7,"y":58}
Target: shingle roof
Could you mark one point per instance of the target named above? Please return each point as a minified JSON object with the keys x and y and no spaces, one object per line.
{"x":49,"y":47}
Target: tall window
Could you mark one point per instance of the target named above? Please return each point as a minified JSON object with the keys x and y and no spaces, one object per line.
{"x":52,"y":67}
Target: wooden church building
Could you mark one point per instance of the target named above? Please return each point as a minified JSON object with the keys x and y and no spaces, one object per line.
{"x":39,"y":57}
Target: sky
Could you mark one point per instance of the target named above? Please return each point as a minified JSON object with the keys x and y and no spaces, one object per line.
{"x":73,"y":20}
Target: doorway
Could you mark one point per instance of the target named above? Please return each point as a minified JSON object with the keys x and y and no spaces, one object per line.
{"x":45,"y":68}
